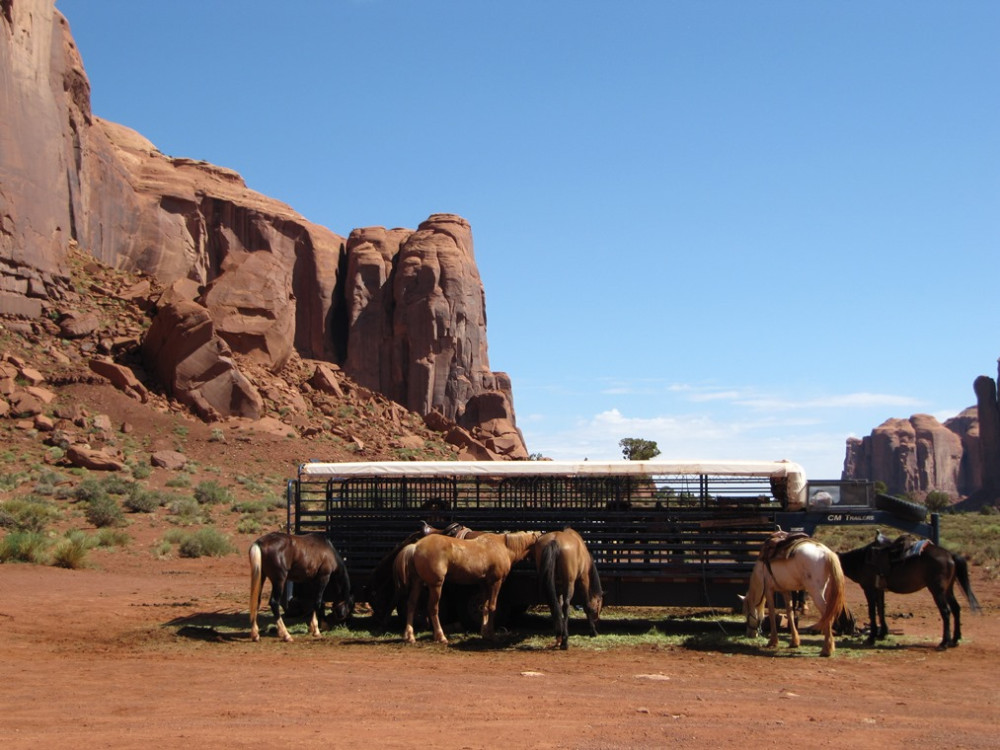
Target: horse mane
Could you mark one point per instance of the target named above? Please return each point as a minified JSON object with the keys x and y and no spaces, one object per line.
{"x":595,"y":580}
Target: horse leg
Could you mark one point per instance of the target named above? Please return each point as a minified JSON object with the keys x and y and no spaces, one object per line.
{"x":277,"y":594}
{"x":793,"y":630}
{"x":942,"y":604}
{"x":490,"y":610}
{"x":956,"y":613}
{"x":772,"y":618}
{"x":317,"y":606}
{"x":883,"y":627}
{"x":433,"y":608}
{"x":411,"y":608}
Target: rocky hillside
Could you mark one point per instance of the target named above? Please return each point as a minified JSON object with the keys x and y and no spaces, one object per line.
{"x":73,"y":393}
{"x":250,"y":285}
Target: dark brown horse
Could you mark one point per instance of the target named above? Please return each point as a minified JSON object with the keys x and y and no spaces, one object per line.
{"x":309,"y":559}
{"x":485,"y":560}
{"x":564,"y":562}
{"x":902,"y":568}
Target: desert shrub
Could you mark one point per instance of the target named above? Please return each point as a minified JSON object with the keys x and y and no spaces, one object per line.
{"x":217,"y":436}
{"x":109,"y":537}
{"x":186,"y":510}
{"x":71,"y":551}
{"x":178,"y":481}
{"x":115,"y":485}
{"x":249,"y":507}
{"x":104,"y":510}
{"x":211,"y":492}
{"x":25,"y":546}
{"x":205,"y":542}
{"x":30,"y":513}
{"x":12,"y":480}
{"x":143,"y":501}
{"x":140,"y":469}
{"x":250,"y":525}
{"x":89,"y":489}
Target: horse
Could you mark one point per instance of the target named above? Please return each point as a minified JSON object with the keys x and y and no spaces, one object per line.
{"x":564,"y":562}
{"x":874,"y":568}
{"x":805,"y":564}
{"x":381,"y":591}
{"x":485,"y":560}
{"x":310,"y":559}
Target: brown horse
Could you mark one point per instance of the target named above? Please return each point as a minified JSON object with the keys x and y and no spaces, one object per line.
{"x":485,"y":560}
{"x":807,"y":565}
{"x":564,"y":562}
{"x":309,"y":559}
{"x":903,"y":568}
{"x":381,"y":591}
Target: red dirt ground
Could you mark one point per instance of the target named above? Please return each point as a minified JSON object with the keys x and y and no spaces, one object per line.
{"x":101,"y":657}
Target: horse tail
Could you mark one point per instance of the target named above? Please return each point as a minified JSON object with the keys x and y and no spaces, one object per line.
{"x":547,"y":573}
{"x":256,"y":581}
{"x":402,"y":567}
{"x":962,"y":574}
{"x":835,"y":600}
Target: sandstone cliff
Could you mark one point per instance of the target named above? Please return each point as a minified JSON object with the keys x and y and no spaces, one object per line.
{"x":918,"y":455}
{"x":402,"y":310}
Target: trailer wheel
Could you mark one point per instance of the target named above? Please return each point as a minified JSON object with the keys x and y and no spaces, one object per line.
{"x":905,"y":509}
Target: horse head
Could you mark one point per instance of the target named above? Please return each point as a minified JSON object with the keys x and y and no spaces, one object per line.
{"x":340,"y":611}
{"x":754,"y":615}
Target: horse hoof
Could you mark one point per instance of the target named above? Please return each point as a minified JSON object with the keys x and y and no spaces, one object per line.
{"x":564,"y":645}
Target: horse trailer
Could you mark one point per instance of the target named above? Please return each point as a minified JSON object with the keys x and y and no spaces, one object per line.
{"x":662,"y":533}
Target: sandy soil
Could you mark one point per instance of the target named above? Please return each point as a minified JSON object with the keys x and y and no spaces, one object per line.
{"x":118,"y":655}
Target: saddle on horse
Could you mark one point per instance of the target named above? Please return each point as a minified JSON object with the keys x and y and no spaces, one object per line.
{"x":781,"y":544}
{"x":885,"y":553}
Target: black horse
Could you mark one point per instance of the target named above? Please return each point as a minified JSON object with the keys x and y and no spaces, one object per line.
{"x":308,"y":559}
{"x":906,"y":565}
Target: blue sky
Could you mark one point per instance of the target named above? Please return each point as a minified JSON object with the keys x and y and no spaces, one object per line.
{"x":741,"y":229}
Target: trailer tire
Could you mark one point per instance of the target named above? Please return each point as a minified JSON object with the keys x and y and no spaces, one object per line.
{"x":905,"y":509}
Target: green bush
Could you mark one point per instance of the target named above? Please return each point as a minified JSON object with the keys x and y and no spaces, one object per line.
{"x":89,"y":489}
{"x":143,"y":501}
{"x":115,"y":485}
{"x":28,"y":513}
{"x":206,"y":542}
{"x":187,"y":511}
{"x":25,"y":546}
{"x":937,"y":501}
{"x":104,"y":510}
{"x":71,"y":551}
{"x":211,"y":492}
{"x":109,"y":537}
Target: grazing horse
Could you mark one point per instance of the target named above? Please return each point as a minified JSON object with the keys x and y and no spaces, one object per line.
{"x":805,"y":564}
{"x":904,"y":566}
{"x":563,"y":563}
{"x":309,"y":559}
{"x":485,"y":560}
{"x":381,"y":591}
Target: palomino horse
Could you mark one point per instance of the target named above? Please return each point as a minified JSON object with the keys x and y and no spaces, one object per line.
{"x":485,"y":560}
{"x":805,"y":564}
{"x":563,"y":563}
{"x":309,"y":559}
{"x":904,"y":566}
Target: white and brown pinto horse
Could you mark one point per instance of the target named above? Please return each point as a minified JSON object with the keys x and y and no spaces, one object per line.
{"x":485,"y":560}
{"x":308,"y":559}
{"x":804,"y":565}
